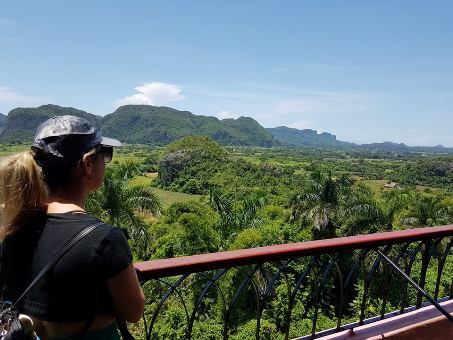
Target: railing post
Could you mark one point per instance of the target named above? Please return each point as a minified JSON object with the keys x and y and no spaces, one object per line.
{"x":248,"y":279}
{"x":342,"y":297}
{"x":300,"y":281}
{"x":385,"y":289}
{"x":424,"y":269}
{"x":440,"y":267}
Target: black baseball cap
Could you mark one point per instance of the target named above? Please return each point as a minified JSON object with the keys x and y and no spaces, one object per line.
{"x":67,"y":138}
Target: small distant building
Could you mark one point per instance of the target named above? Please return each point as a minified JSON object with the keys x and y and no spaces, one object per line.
{"x":391,"y":185}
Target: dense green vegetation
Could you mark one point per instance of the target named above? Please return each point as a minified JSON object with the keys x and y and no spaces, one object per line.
{"x":435,"y":172}
{"x":251,"y":197}
{"x":196,"y":196}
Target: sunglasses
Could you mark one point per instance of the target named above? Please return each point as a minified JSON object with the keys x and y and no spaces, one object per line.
{"x":106,"y":152}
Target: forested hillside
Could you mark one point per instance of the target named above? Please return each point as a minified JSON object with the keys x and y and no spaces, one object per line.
{"x":161,"y":125}
{"x":21,"y":123}
{"x":306,"y":137}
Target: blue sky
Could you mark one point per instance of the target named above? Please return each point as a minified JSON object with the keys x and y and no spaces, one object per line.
{"x":366,"y":71}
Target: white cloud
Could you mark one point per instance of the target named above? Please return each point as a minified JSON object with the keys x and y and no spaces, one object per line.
{"x":155,"y":93}
{"x":226,"y":114}
{"x":9,"y":96}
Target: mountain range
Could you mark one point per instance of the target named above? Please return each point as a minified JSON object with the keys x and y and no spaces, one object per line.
{"x":146,"y":124}
{"x":311,"y":138}
{"x":306,"y":137}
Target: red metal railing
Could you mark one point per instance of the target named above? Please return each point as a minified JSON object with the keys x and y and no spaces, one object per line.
{"x":318,"y":267}
{"x":227,"y":259}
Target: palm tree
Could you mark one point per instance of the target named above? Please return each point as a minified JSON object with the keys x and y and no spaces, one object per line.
{"x":391,"y":205}
{"x":330,"y":204}
{"x":236,"y":215}
{"x":118,"y":204}
{"x":426,"y":211}
{"x":320,"y":203}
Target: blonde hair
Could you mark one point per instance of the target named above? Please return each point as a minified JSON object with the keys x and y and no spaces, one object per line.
{"x":22,"y":192}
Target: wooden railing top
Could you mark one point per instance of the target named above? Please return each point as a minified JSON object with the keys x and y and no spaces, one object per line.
{"x":197,"y":263}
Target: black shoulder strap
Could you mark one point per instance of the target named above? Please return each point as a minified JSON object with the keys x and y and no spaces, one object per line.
{"x":71,"y":243}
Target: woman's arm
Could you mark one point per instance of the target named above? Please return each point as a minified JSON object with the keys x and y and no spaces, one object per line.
{"x":127,"y":295}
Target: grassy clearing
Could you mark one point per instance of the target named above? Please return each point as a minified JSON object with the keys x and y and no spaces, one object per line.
{"x":375,"y":183}
{"x":300,"y":172}
{"x":250,"y":159}
{"x":123,"y":157}
{"x":167,"y":198}
{"x":143,"y":180}
{"x":431,"y":190}
{"x":376,"y":186}
{"x":273,"y":160}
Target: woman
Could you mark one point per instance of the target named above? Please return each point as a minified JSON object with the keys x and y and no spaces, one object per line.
{"x":43,"y":194}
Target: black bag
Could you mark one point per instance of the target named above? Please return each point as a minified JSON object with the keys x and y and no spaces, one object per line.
{"x":10,"y":326}
{"x":17,"y":332}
